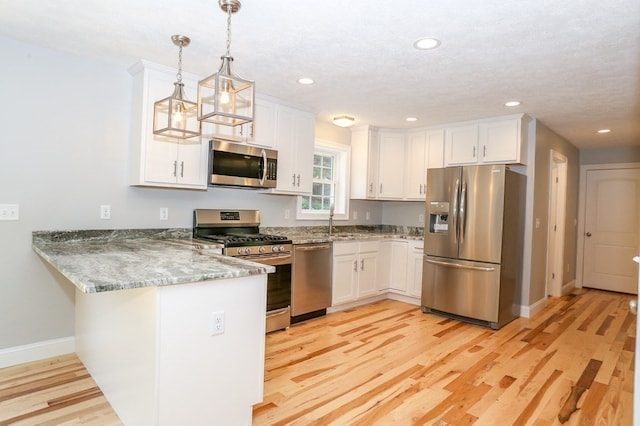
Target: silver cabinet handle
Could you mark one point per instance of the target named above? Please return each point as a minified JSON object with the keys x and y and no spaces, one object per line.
{"x":420,"y":189}
{"x":362,"y":264}
{"x":381,"y":188}
{"x":294,"y":180}
{"x":371,"y":187}
{"x":484,"y":151}
{"x":251,"y":133}
{"x":456,"y":265}
{"x":242,"y":130}
{"x":298,"y":181}
{"x":633,"y":306}
{"x":182,"y":169}
{"x":474,"y":152}
{"x":175,"y":168}
{"x":355,"y":265}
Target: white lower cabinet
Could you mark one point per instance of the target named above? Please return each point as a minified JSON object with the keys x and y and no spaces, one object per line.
{"x":414,"y":268}
{"x":355,"y":270}
{"x":393,"y":265}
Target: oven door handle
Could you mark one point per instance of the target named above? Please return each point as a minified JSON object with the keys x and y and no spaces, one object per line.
{"x":284,"y":259}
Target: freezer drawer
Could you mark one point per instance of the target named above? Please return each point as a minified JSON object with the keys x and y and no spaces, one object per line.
{"x":462,"y":288}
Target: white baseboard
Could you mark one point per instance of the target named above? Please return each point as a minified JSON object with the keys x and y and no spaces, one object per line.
{"x":531,"y":310}
{"x":349,"y":305}
{"x":568,"y":287}
{"x":36,"y":351}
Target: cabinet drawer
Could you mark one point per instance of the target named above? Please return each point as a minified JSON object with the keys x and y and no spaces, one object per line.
{"x":369,"y":246}
{"x":345,"y":248}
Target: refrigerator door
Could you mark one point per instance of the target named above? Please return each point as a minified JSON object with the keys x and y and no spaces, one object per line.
{"x":441,"y":215}
{"x":468,"y":289}
{"x":481,"y":213}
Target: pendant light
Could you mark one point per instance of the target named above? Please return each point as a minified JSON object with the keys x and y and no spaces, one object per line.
{"x":176,"y":116}
{"x":223,"y":97}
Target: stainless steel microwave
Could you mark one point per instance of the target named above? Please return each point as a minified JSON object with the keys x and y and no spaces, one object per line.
{"x":235,"y":164}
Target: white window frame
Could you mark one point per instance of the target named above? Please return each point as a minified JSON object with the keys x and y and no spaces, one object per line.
{"x":342,"y":165}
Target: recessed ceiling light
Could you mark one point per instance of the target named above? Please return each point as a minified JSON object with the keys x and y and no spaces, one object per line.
{"x":512,"y":103}
{"x":305,"y":80}
{"x":426,"y":43}
{"x":604,"y":131}
{"x":411,"y":119}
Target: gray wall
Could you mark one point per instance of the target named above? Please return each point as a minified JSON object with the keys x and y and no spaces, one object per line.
{"x":623,"y":154}
{"x":64,"y":152}
{"x":546,"y":140}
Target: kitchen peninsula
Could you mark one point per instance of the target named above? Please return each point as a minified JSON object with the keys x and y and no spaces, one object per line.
{"x":171,"y":331}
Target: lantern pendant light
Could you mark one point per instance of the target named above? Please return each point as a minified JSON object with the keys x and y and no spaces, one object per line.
{"x":223,"y":97}
{"x":176,"y":116}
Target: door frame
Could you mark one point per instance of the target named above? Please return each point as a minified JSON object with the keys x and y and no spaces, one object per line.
{"x":559,"y":162}
{"x":582,"y":202}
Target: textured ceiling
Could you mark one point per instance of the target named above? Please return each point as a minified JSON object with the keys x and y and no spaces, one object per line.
{"x":574,"y":64}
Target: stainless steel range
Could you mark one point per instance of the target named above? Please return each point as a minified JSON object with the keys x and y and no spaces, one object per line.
{"x":239,"y":232}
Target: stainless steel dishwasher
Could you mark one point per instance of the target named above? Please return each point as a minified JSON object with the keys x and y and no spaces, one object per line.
{"x":310,"y":281}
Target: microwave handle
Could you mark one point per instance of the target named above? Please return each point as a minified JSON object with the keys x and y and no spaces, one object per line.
{"x":264,"y":167}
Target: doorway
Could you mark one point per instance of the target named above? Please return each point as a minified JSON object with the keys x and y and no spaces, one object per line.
{"x":610,"y":230}
{"x":557,"y":218}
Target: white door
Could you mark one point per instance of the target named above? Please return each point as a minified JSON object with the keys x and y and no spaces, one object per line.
{"x":555,"y":233}
{"x":612,"y":222}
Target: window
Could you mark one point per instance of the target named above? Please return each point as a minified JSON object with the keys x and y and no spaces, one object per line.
{"x":330,"y":183}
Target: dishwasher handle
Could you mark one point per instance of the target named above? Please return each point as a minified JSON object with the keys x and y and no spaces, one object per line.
{"x":313,"y":247}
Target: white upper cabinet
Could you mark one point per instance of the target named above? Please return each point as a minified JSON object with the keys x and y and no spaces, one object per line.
{"x":391,"y":166}
{"x":502,"y":140}
{"x":295,"y":145}
{"x":158,"y":160}
{"x":425,"y":150}
{"x":364,"y":163}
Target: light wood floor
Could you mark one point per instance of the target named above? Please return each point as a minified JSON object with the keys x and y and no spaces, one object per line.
{"x":388,"y":363}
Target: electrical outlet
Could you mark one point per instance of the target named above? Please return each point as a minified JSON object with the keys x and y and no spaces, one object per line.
{"x":217,"y":322}
{"x":367,"y":216}
{"x":287,"y":213}
{"x":9,"y":211}
{"x":105,"y":211}
{"x":164,"y":213}
{"x":421,"y":219}
{"x":355,"y":215}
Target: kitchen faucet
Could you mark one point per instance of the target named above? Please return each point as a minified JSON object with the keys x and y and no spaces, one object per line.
{"x":331,"y":210}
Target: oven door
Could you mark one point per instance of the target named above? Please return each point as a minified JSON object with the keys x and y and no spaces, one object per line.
{"x":278,"y":290}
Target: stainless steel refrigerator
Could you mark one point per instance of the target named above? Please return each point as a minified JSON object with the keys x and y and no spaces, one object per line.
{"x":473,"y":243}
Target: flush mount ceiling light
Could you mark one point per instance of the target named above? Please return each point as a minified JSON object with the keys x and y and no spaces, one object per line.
{"x":343,"y":120}
{"x":426,"y":43}
{"x":223,"y":97}
{"x":176,"y":116}
{"x":512,"y":103}
{"x":305,"y":80}
{"x":411,"y":119}
{"x":603,"y":131}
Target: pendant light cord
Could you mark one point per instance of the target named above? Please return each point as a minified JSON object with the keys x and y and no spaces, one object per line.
{"x":229,"y":29}
{"x":179,"y":75}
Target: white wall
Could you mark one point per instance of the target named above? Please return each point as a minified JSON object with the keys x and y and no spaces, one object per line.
{"x":64,"y":151}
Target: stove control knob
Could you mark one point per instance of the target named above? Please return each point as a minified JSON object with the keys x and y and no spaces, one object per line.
{"x":261,"y":249}
{"x":280,"y":248}
{"x":246,"y":250}
{"x":274,"y":248}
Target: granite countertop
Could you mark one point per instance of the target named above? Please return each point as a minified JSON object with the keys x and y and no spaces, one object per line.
{"x":97,"y":261}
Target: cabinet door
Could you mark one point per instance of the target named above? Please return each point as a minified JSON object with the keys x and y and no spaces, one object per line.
{"x":500,"y":141}
{"x":295,"y":145}
{"x":345,"y":275}
{"x":398,"y":273}
{"x":414,"y":269}
{"x":304,"y":141}
{"x":262,"y":131}
{"x":461,"y":145}
{"x":189,"y":169}
{"x":416,"y":167}
{"x":391,"y":166}
{"x":368,"y":274}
